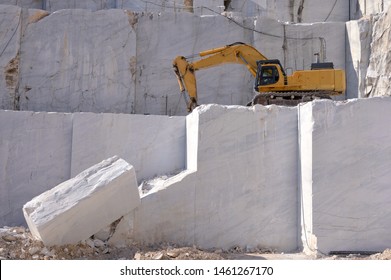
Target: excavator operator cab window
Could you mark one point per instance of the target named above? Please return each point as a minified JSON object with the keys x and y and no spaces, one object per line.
{"x":269,"y":75}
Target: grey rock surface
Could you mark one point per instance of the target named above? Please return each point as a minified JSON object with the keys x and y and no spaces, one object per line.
{"x":155,"y":145}
{"x":345,"y":175}
{"x":10,"y":34}
{"x":93,"y":5}
{"x":379,"y":70}
{"x":77,"y":60}
{"x":29,"y":4}
{"x":35,"y":154}
{"x":358,"y":50}
{"x":230,"y":193}
{"x":81,"y":206}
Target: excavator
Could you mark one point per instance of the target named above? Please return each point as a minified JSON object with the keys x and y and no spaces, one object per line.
{"x":272,"y":84}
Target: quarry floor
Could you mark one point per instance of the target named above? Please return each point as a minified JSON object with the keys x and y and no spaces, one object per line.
{"x":16,"y":243}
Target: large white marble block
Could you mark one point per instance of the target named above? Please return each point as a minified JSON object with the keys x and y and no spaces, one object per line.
{"x":345,"y":151}
{"x":240,"y":188}
{"x":77,"y":208}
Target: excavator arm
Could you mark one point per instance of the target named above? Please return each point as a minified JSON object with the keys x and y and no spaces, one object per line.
{"x":238,"y":53}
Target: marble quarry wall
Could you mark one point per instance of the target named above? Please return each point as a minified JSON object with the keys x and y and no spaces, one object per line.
{"x":40,"y":150}
{"x":35,"y":155}
{"x":345,"y":183}
{"x":362,"y":8}
{"x":230,"y":193}
{"x":290,"y":178}
{"x":65,"y":71}
{"x":102,"y":69}
{"x":358,"y":50}
{"x":379,"y":71}
{"x":368,"y":56}
{"x":294,"y":11}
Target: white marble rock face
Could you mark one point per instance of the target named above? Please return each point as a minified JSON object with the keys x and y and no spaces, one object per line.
{"x":93,"y":5}
{"x":76,"y":209}
{"x":208,"y":7}
{"x":379,"y":70}
{"x":154,"y":6}
{"x":35,"y":155}
{"x":345,"y":170}
{"x":154,"y":145}
{"x":10,"y":30}
{"x":29,"y":4}
{"x":83,"y":61}
{"x":363,"y":8}
{"x":358,"y":50}
{"x":209,"y":204}
{"x":295,"y":11}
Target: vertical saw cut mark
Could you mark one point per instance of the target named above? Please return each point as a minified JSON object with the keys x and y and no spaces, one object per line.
{"x":291,"y":9}
{"x":300,"y":11}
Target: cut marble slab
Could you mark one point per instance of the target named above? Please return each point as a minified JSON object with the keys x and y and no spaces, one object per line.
{"x":76,"y":209}
{"x":346,"y":173}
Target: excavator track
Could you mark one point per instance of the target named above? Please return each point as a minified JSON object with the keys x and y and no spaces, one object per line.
{"x":288,"y":98}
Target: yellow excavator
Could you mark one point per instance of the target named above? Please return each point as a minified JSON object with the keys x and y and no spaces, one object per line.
{"x":272,"y":84}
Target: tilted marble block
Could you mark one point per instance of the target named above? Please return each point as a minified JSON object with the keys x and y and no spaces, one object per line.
{"x":85,"y":204}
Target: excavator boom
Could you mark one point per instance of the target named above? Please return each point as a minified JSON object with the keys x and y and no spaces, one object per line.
{"x":238,"y":53}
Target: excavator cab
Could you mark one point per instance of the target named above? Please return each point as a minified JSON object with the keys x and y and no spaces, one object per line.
{"x":269,"y":75}
{"x":269,"y":72}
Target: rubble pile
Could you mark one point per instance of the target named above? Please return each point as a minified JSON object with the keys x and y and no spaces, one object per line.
{"x":17,"y":243}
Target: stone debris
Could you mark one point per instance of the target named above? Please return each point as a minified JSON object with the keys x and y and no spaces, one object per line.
{"x":21,"y":247}
{"x":83,"y":205}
